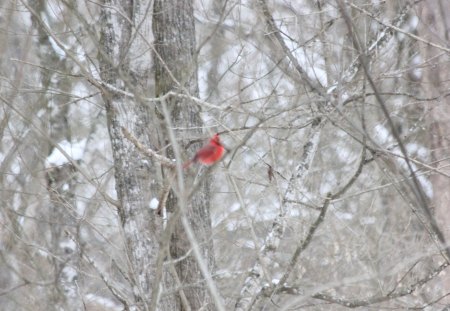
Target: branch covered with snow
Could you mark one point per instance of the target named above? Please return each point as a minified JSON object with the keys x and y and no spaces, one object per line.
{"x":147,"y":151}
{"x":253,"y":284}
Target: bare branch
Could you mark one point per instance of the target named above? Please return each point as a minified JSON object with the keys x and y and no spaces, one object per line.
{"x":9,"y":290}
{"x":407,"y":290}
{"x":147,"y":151}
{"x":253,"y":283}
{"x":275,"y":33}
{"x":63,"y":152}
{"x":112,"y":289}
{"x":416,"y":186}
{"x":383,"y":37}
{"x":398,"y":29}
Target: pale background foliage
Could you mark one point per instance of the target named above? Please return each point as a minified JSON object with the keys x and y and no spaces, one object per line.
{"x":377,"y":242}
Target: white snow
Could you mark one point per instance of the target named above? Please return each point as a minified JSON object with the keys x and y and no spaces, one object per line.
{"x":154,"y":203}
{"x":343,"y":215}
{"x":331,"y":89}
{"x":294,"y":212}
{"x":41,"y":113}
{"x":344,"y":153}
{"x":427,"y":186}
{"x":70,"y":273}
{"x":368,"y":220}
{"x":75,"y":150}
{"x":68,"y":244}
{"x":417,"y":150}
{"x":246,"y":243}
{"x":412,"y":148}
{"x":413,"y":22}
{"x":234,"y":207}
{"x":328,"y":183}
{"x":58,"y":51}
{"x":416,"y":72}
{"x":423,"y":153}
{"x":15,"y":168}
{"x":382,"y":135}
{"x":108,"y":304}
{"x":232,"y":225}
{"x":42,"y":253}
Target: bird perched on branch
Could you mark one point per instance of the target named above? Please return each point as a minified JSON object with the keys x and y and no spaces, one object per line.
{"x":208,"y":154}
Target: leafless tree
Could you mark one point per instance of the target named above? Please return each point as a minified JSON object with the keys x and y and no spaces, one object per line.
{"x":333,"y":190}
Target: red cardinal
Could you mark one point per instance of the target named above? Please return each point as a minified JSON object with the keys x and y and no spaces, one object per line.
{"x":208,"y":154}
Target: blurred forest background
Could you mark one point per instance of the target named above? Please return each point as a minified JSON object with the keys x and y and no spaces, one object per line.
{"x":334,"y":191}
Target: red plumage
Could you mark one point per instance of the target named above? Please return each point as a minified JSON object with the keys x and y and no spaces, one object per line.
{"x":208,"y":154}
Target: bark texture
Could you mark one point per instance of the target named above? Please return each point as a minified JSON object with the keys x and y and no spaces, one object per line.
{"x":125,"y":65}
{"x":176,"y":70}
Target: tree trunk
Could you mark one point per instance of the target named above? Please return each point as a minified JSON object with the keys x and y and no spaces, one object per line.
{"x":176,"y":70}
{"x":61,"y":179}
{"x":124,"y":64}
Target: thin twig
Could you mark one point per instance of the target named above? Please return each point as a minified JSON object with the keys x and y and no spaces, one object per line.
{"x":253,"y":284}
{"x":75,"y":164}
{"x":275,"y":33}
{"x":197,"y":254}
{"x":416,"y":186}
{"x":105,"y":280}
{"x":354,"y":303}
{"x":398,"y":29}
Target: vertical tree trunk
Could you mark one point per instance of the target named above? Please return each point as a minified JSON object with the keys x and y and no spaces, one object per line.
{"x":124,"y":64}
{"x":176,"y":70}
{"x":61,"y":180}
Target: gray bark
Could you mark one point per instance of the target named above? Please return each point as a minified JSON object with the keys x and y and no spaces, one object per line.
{"x":61,"y":180}
{"x":124,"y":65}
{"x":176,"y":70}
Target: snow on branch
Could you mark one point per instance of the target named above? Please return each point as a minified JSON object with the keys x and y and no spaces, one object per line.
{"x":253,"y":285}
{"x":147,"y":151}
{"x":384,"y":35}
{"x":162,"y":98}
{"x":320,"y":218}
{"x":398,"y":29}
